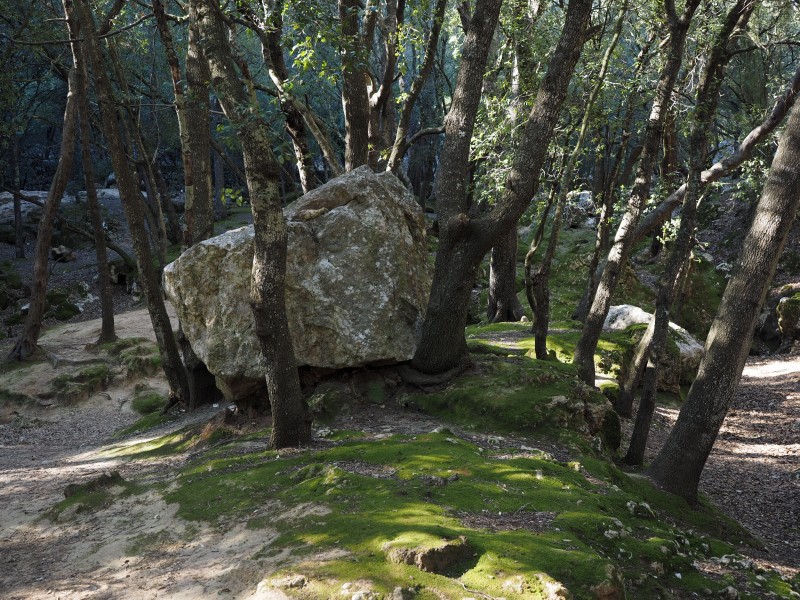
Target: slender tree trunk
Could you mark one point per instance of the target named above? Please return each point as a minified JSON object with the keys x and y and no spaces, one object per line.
{"x":400,"y":145}
{"x":26,"y":344}
{"x":678,"y":466}
{"x":192,"y":111}
{"x":355,"y":100}
{"x":19,"y":232}
{"x":622,"y":246}
{"x":464,"y":240}
{"x":540,"y":281}
{"x":707,"y":100}
{"x":131,"y":202}
{"x":107,"y":333}
{"x":291,"y":422}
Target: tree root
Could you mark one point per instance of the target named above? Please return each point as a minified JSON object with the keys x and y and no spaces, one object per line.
{"x":422,"y":380}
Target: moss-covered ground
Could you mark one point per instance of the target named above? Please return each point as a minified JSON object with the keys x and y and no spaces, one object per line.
{"x":537,"y":521}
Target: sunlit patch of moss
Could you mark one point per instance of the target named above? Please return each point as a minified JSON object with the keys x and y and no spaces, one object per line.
{"x":149,"y":421}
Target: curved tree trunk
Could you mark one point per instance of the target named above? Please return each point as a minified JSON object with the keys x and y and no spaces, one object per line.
{"x":623,"y":241}
{"x":291,"y":421}
{"x":26,"y":344}
{"x":678,"y":466}
{"x":465,"y":240}
{"x":131,"y":202}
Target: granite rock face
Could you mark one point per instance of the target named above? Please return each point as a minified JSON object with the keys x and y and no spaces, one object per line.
{"x":357,"y":283}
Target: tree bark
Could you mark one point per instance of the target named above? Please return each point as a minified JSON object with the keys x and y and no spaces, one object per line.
{"x":26,"y":344}
{"x":131,"y":202}
{"x":678,"y":466}
{"x":537,"y":284}
{"x":107,"y":333}
{"x":622,"y":246}
{"x":355,"y":100}
{"x":19,"y":232}
{"x":291,"y":422}
{"x":464,"y":240}
{"x":503,"y":302}
{"x":705,"y":109}
{"x":442,"y":345}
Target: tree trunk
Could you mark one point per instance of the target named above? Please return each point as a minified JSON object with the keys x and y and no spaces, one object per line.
{"x":192,"y":110}
{"x":464,"y":240}
{"x":107,"y":333}
{"x":705,"y":109}
{"x":678,"y":466}
{"x":442,"y":346}
{"x":622,"y":246}
{"x":503,"y":302}
{"x":538,"y":286}
{"x":355,"y":100}
{"x":131,"y":202}
{"x":291,"y":422}
{"x":19,"y":232}
{"x":26,"y":344}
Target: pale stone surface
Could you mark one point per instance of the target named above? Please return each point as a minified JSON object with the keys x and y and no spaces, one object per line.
{"x":357,"y":282}
{"x":691,"y":351}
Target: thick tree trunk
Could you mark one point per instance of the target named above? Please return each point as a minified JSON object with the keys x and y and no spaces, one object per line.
{"x":26,"y":344}
{"x":622,"y":246}
{"x":463,"y":238}
{"x":291,"y":422}
{"x":131,"y":202}
{"x":678,"y":466}
{"x":503,"y":302}
{"x":442,"y":346}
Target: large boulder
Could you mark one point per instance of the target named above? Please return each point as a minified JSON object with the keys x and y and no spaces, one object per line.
{"x":676,"y":370}
{"x":357,"y":283}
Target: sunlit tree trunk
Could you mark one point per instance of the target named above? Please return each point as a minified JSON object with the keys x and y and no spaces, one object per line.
{"x":291,"y":422}
{"x":623,"y":241}
{"x":678,"y":466}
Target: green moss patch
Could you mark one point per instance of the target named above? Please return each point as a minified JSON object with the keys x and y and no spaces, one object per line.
{"x":532,"y":523}
{"x":74,"y":387}
{"x":147,"y":401}
{"x":139,"y":356}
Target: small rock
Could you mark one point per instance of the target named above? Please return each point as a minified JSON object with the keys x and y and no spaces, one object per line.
{"x":438,"y":559}
{"x":400,"y":593}
{"x":729,"y":593}
{"x":289,"y":582}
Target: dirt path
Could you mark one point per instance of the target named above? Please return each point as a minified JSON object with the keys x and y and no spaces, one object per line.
{"x":753,"y":472}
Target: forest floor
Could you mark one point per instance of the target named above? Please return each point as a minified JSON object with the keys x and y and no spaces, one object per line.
{"x":753,"y":475}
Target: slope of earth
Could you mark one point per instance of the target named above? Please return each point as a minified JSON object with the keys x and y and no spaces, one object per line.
{"x":386,"y":503}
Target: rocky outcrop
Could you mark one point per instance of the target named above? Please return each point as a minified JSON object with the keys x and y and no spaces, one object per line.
{"x":673,"y":372}
{"x":357,"y":283}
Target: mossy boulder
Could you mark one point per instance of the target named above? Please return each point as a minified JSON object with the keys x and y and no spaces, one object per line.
{"x":788,"y":312}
